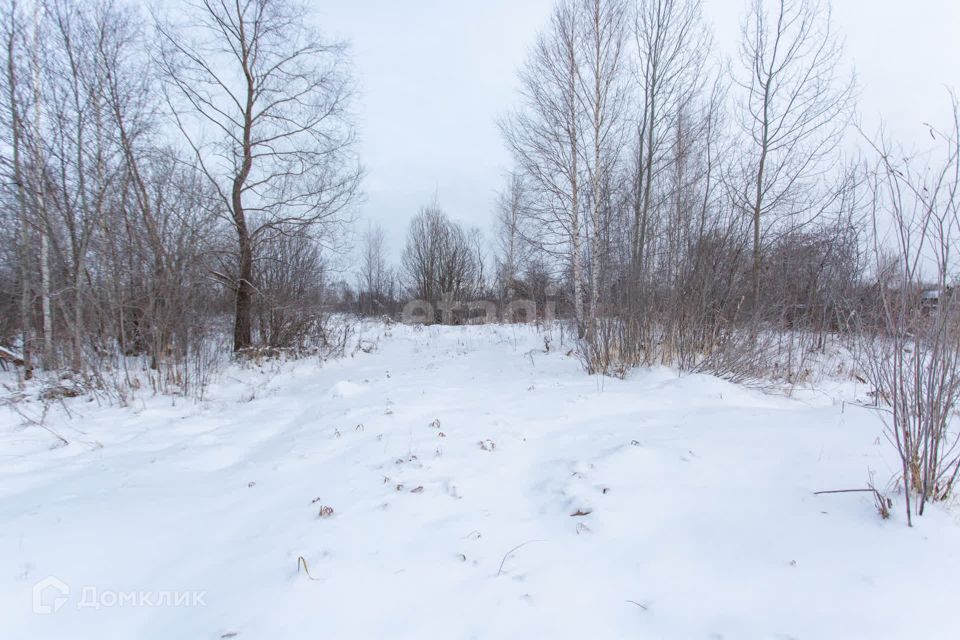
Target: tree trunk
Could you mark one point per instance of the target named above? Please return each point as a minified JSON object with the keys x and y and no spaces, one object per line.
{"x":78,"y":319}
{"x":242,"y":328}
{"x":578,"y":280}
{"x":756,"y":214}
{"x":46,"y":308}
{"x":26,"y":321}
{"x":243,"y":319}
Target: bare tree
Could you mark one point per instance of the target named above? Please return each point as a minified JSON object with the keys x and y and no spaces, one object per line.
{"x":40,"y":183}
{"x":440,"y":260}
{"x":795,"y":107}
{"x":672,"y":46}
{"x":11,"y":18}
{"x":275,"y":96}
{"x":512,"y":248}
{"x":568,"y":135}
{"x":545,"y":138}
{"x":81,"y":172}
{"x":376,"y":279}
{"x":603,"y":94}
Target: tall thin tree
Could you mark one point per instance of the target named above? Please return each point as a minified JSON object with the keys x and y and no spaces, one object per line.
{"x":796,"y":104}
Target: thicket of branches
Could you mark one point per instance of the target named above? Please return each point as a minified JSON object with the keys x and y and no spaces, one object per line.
{"x":162,"y":177}
{"x":680,"y":201}
{"x":911,"y":347}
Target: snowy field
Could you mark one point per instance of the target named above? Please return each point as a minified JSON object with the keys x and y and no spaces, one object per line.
{"x":471,"y":486}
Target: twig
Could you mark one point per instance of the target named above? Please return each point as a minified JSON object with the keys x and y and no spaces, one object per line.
{"x":39,"y":423}
{"x":302,"y":561}
{"x":821,"y":493}
{"x":642,"y":606}
{"x":868,"y":407}
{"x":516,"y":548}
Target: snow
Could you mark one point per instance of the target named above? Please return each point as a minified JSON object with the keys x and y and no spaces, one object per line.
{"x":9,"y":354}
{"x":454,"y":460}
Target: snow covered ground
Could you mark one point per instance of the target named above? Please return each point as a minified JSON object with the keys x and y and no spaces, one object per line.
{"x":479,"y":488}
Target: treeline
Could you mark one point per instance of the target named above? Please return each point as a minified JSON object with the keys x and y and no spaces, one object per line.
{"x":681,"y":209}
{"x":168,"y":182}
{"x":683,"y":197}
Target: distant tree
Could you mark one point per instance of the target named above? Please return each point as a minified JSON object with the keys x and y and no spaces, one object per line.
{"x":512,"y":248}
{"x":440,"y":260}
{"x":375,"y":288}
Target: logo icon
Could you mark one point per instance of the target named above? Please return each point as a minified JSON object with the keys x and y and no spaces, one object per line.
{"x":49,"y":595}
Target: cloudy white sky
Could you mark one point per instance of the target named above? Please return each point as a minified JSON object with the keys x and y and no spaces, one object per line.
{"x":435,"y":75}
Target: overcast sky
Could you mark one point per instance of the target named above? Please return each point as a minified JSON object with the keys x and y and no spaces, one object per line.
{"x":435,"y":75}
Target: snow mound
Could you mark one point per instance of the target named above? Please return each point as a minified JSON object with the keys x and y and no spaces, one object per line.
{"x":346,"y":389}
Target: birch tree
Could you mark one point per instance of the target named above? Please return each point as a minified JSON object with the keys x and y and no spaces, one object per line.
{"x":602,"y":92}
{"x":544,"y":135}
{"x":566,"y":137}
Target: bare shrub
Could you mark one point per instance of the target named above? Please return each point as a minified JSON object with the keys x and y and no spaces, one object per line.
{"x":606,"y":350}
{"x":913,"y":357}
{"x":290,"y":279}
